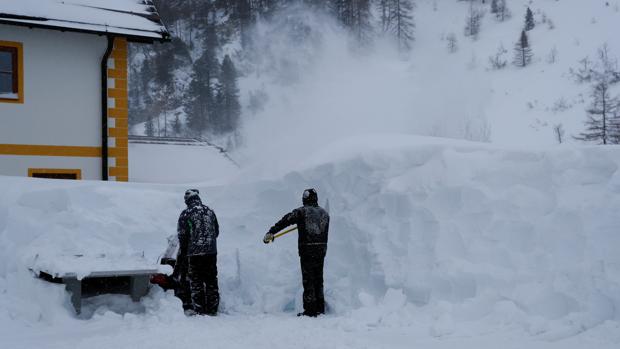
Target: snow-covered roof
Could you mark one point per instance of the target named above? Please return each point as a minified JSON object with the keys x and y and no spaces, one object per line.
{"x":134,"y":19}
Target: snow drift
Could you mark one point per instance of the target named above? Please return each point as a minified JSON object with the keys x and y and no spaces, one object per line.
{"x":425,"y":232}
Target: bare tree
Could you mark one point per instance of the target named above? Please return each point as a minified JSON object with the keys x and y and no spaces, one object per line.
{"x":553,"y":55}
{"x":500,"y":10}
{"x":498,"y":60}
{"x":558,"y":131}
{"x":583,"y":73}
{"x":608,"y":67}
{"x":602,"y":123}
{"x":452,"y":43}
{"x":605,"y":69}
{"x":476,"y":129}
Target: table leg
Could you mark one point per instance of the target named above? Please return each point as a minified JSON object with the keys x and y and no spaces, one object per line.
{"x":74,"y":286}
{"x":139,"y":286}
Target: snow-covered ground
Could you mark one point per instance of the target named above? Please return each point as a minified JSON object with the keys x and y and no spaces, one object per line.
{"x":433,"y":243}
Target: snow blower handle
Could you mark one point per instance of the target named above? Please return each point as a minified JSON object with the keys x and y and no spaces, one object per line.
{"x":274,"y":236}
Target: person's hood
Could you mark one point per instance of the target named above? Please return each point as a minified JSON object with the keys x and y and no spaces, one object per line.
{"x":310,"y":198}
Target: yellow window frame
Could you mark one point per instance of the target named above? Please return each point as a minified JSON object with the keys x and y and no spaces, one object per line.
{"x":20,"y":72}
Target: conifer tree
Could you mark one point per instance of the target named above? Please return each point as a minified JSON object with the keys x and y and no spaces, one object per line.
{"x":163,"y":64}
{"x":355,"y":16}
{"x":383,"y":8}
{"x":603,"y":123}
{"x":197,"y":105}
{"x":473,"y":21}
{"x":615,"y":123}
{"x":529,"y":20}
{"x":200,"y":103}
{"x":229,"y":108}
{"x":200,"y":97}
{"x":176,"y":125}
{"x":401,"y":22}
{"x":523,"y":51}
{"x":149,"y":127}
{"x":243,"y":15}
{"x":494,"y":6}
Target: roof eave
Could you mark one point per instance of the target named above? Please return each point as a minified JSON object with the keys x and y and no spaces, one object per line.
{"x":165,"y":36}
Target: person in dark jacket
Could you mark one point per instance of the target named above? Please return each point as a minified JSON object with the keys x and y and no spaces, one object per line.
{"x":198,"y":231}
{"x":313,"y":225}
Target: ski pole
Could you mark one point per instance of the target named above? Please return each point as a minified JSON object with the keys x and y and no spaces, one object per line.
{"x":284,"y":232}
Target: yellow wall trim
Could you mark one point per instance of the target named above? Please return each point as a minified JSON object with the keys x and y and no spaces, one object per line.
{"x":76,"y":172}
{"x":117,"y":115}
{"x":20,"y":72}
{"x":49,"y":150}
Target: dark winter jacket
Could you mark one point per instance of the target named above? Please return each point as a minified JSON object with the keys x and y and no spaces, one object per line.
{"x":312,"y":224}
{"x":198,"y":230}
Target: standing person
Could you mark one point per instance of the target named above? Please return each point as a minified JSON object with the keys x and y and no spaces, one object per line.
{"x":313,"y":225}
{"x":198,"y":231}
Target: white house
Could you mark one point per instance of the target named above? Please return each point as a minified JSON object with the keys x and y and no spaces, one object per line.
{"x":63,"y":85}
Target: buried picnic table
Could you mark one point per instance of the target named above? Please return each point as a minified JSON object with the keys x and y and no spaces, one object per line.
{"x":89,"y":276}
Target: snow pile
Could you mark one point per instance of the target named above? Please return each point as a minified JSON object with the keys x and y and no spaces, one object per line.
{"x":439,"y":237}
{"x":482,"y":233}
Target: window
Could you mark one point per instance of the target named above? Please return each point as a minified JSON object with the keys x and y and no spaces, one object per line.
{"x":8,"y":70}
{"x":55,"y":173}
{"x":11,"y":72}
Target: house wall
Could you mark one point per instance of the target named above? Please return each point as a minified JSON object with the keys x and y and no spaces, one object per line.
{"x":11,"y":165}
{"x":58,"y":125}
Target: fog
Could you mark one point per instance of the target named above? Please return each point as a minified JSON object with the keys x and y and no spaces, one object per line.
{"x":308,"y":84}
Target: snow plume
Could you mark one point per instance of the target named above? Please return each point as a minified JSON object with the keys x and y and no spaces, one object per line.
{"x":310,"y":84}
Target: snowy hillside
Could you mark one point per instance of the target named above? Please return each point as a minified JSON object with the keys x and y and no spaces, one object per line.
{"x":433,"y":243}
{"x":319,"y":90}
{"x":305,"y":73}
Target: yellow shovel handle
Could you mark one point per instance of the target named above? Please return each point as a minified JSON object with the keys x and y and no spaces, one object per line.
{"x":283,"y":233}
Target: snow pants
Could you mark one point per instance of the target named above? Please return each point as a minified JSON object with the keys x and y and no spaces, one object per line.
{"x":180,"y":283}
{"x":312,"y":258}
{"x":183,"y":292}
{"x":202,"y":275}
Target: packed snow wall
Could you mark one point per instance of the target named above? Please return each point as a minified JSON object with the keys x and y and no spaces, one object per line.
{"x":453,"y":231}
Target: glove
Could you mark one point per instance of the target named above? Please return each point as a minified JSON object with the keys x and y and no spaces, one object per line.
{"x":268,"y":238}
